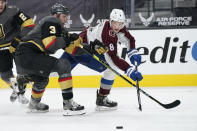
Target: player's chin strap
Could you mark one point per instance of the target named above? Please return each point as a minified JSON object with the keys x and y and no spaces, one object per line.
{"x":166,"y":106}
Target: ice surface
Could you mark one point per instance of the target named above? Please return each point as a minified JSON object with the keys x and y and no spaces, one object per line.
{"x":14,"y":116}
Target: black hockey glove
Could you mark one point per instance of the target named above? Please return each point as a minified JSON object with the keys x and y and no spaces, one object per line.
{"x":69,"y":38}
{"x":14,"y":44}
{"x":98,"y":47}
{"x":71,"y":48}
{"x":74,"y":37}
{"x":95,"y":47}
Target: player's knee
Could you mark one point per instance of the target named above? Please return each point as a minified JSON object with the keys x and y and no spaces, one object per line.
{"x":40,"y":83}
{"x":6,"y":75}
{"x":64,"y":55}
{"x":101,"y":69}
{"x":109,"y":76}
{"x":22,"y":81}
{"x":63,"y":66}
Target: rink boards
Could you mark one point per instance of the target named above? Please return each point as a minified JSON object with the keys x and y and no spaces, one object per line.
{"x":169,"y":58}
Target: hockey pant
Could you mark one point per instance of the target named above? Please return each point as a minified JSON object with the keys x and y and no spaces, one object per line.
{"x":32,"y":63}
{"x":6,"y":65}
{"x":88,"y":61}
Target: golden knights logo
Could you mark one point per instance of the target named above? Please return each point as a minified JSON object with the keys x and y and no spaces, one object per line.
{"x":1,"y":31}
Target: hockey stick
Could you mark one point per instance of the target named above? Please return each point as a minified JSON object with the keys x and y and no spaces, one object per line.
{"x":138,"y":93}
{"x":166,"y":106}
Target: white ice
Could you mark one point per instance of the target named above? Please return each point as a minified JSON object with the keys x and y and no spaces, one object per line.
{"x":14,"y":117}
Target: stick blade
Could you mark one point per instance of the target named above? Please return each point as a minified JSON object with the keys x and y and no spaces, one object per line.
{"x":172,"y":105}
{"x":140,"y":108}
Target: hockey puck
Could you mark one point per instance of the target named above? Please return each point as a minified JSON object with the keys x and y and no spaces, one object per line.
{"x":119,"y":127}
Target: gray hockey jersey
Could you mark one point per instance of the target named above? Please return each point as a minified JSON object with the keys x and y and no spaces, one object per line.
{"x":14,"y":24}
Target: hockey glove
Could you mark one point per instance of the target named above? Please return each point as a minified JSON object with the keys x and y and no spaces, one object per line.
{"x":14,"y":44}
{"x":70,"y":37}
{"x":98,"y":47}
{"x":71,"y":48}
{"x":134,"y":55}
{"x":133,"y":74}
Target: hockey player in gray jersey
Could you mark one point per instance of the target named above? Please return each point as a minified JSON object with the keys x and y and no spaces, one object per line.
{"x":14,"y":24}
{"x":33,"y":58}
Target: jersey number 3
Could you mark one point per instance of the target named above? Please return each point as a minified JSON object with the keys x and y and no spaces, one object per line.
{"x":1,"y":31}
{"x":52,"y":29}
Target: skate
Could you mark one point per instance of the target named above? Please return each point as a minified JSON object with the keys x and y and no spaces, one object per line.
{"x":22,"y":82}
{"x":16,"y":93}
{"x":14,"y":87}
{"x":104,"y":104}
{"x":72,"y":108}
{"x":13,"y":96}
{"x":37,"y":106}
{"x":22,"y":99}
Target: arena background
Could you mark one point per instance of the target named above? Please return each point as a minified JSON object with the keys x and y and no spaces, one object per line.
{"x":165,"y":33}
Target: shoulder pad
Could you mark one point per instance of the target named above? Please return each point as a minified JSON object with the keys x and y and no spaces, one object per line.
{"x":107,"y":23}
{"x":52,"y":19}
{"x":13,"y":8}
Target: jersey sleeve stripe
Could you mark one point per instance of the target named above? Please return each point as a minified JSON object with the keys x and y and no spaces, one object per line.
{"x":73,"y":52}
{"x":31,"y":25}
{"x":52,"y":42}
{"x":49,"y":41}
{"x":28,"y":23}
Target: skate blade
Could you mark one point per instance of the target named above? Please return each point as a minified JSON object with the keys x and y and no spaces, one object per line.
{"x":73,"y":113}
{"x":104,"y":108}
{"x":36,"y":111}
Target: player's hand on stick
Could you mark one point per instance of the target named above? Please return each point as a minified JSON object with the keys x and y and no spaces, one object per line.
{"x":133,"y":74}
{"x":134,"y":56}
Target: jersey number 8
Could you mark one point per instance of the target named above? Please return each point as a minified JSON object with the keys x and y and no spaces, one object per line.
{"x":111,"y":47}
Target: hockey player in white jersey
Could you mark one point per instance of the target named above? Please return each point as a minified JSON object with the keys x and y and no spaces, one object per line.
{"x":110,"y":33}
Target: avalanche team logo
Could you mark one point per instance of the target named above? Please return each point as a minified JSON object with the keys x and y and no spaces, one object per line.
{"x":145,"y":21}
{"x":111,"y":33}
{"x":86,"y":23}
{"x":194,"y":51}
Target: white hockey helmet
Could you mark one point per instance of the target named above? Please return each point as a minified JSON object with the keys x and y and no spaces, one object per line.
{"x":117,"y":15}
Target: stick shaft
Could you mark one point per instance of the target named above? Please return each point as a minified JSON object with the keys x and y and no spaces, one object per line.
{"x":166,"y":106}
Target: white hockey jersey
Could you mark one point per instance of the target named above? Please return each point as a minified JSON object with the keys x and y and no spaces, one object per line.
{"x":104,"y":33}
